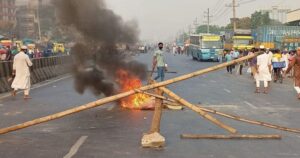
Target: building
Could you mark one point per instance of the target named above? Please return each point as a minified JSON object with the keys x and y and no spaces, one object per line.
{"x":27,"y":21}
{"x":7,"y":15}
{"x":277,"y":14}
{"x":293,"y":18}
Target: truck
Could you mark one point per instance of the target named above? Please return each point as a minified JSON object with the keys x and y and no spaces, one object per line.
{"x":206,"y":47}
{"x":239,"y":39}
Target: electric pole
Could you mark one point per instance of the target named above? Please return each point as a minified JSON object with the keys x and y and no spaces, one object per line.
{"x":234,"y":18}
{"x":208,"y":16}
{"x":234,"y":14}
{"x":196,"y":24}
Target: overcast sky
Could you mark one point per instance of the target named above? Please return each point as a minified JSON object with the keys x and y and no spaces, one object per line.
{"x":162,"y":19}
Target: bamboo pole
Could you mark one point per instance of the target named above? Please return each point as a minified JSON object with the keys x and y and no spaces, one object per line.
{"x":246,"y":120}
{"x":198,"y":110}
{"x":155,"y":125}
{"x":200,"y":136}
{"x":120,"y":96}
{"x":237,"y":118}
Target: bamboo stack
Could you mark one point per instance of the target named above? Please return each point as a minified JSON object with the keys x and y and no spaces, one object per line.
{"x":126,"y":94}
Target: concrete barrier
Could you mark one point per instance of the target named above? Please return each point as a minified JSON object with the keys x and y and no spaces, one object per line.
{"x":42,"y":69}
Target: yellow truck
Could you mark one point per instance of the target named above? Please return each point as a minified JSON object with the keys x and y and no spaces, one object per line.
{"x":58,"y":48}
{"x":240,"y":39}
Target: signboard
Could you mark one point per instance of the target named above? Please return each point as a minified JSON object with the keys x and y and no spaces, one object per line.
{"x":211,"y":38}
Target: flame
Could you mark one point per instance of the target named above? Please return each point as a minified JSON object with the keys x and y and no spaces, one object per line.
{"x":129,"y":82}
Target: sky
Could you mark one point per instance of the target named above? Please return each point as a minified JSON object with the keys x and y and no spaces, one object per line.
{"x":163,"y":19}
{"x":160,"y":20}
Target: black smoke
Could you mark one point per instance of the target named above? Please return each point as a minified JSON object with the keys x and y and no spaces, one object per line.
{"x":99,"y":34}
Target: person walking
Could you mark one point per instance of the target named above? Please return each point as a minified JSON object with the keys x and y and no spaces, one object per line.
{"x":295,"y":63}
{"x":263,"y":71}
{"x":228,"y":58}
{"x":21,"y":72}
{"x":253,"y":63}
{"x":159,"y":62}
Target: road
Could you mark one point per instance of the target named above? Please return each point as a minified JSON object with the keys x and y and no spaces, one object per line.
{"x":113,"y":132}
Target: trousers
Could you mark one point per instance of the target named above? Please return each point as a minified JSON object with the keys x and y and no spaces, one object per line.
{"x":160,"y":73}
{"x":258,"y":83}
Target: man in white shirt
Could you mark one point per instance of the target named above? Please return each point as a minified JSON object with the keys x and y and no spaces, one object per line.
{"x":22,"y":73}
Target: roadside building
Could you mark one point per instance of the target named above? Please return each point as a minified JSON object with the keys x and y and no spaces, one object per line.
{"x":277,"y":14}
{"x":293,"y":17}
{"x":7,"y":16}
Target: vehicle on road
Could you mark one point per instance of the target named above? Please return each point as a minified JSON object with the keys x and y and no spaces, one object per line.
{"x":206,"y":47}
{"x":240,"y":40}
{"x":58,"y":48}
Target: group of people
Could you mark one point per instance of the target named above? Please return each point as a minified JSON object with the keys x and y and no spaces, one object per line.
{"x":8,"y":53}
{"x":233,"y":55}
{"x":281,"y":63}
{"x":269,"y":64}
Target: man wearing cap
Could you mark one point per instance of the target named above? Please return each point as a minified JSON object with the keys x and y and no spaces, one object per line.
{"x":295,"y":63}
{"x":263,"y":70}
{"x":22,"y":73}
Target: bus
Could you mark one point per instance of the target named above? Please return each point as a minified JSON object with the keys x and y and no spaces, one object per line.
{"x":206,"y":47}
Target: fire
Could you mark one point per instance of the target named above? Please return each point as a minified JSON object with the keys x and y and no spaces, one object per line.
{"x":129,"y":82}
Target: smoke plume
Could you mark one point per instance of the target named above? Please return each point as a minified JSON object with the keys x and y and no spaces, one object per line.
{"x":99,"y":34}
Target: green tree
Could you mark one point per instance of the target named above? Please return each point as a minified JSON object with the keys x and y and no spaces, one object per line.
{"x":262,"y":19}
{"x":242,"y":23}
{"x":214,"y":29}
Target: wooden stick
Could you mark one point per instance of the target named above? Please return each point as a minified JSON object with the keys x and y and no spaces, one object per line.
{"x":120,"y":96}
{"x":246,"y":120}
{"x":200,"y":136}
{"x":198,"y":110}
{"x":237,"y":118}
{"x":155,"y":95}
{"x":155,"y":125}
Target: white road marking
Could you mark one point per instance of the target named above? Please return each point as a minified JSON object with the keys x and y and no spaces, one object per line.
{"x":37,"y":86}
{"x":227,"y":90}
{"x":76,"y":146}
{"x":251,"y":105}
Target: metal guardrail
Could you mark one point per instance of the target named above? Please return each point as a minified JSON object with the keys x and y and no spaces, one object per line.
{"x":42,"y":69}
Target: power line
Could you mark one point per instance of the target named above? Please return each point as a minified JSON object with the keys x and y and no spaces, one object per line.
{"x":246,"y":2}
{"x":217,"y":6}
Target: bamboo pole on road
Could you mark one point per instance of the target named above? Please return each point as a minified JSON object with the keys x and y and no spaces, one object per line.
{"x":120,"y":96}
{"x":198,"y":110}
{"x":238,"y":118}
{"x":246,"y":136}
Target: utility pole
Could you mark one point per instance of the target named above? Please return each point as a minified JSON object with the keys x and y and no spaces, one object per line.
{"x":39,"y":3}
{"x":208,"y":16}
{"x":234,"y":18}
{"x":234,"y":14}
{"x":196,"y":24}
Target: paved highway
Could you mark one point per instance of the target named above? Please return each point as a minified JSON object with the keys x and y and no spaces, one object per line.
{"x":113,"y":132}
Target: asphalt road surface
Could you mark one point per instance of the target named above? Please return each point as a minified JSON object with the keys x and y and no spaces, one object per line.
{"x":113,"y":132}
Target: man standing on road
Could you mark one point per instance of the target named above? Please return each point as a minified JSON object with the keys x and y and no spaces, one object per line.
{"x":263,"y":71}
{"x":22,"y":73}
{"x":159,"y":62}
{"x":295,"y":63}
{"x":228,"y":58}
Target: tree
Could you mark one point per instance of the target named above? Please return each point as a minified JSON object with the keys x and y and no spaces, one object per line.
{"x":242,"y":23}
{"x":214,"y":29}
{"x":262,"y":19}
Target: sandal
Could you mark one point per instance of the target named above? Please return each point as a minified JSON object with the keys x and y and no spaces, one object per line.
{"x":27,"y":97}
{"x":14,"y":93}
